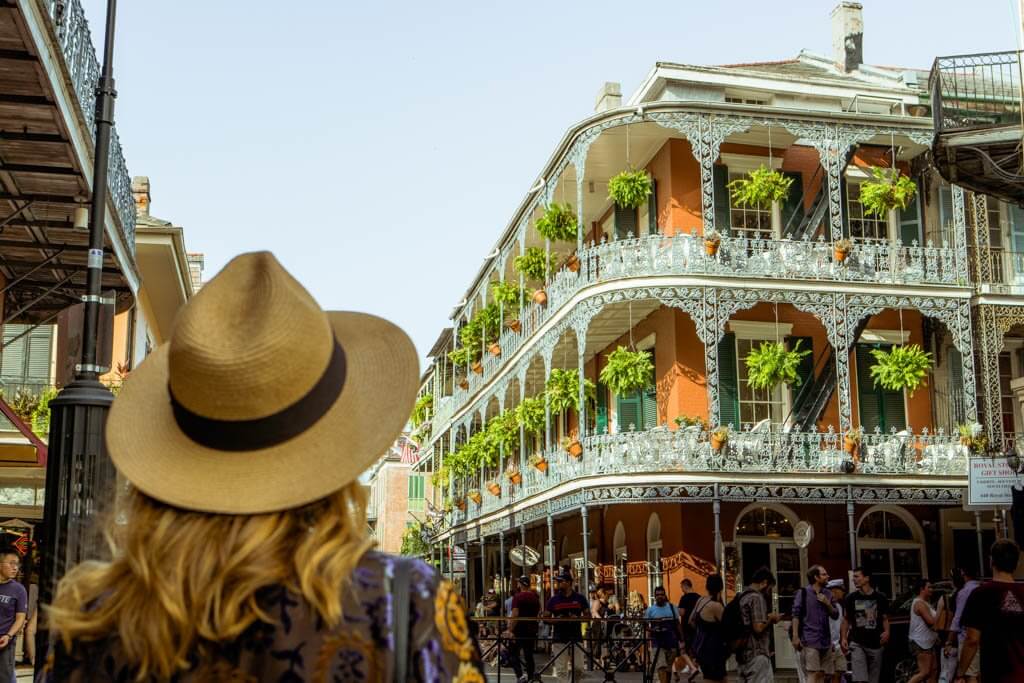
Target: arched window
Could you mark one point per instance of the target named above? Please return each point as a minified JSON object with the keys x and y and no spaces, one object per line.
{"x":766,"y":522}
{"x":653,"y":554}
{"x":764,"y":536}
{"x":892,"y":547}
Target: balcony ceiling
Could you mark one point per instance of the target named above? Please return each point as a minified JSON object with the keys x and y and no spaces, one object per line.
{"x":40,"y":175}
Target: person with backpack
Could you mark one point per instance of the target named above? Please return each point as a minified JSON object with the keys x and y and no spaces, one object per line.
{"x":706,"y":620}
{"x":746,"y":624}
{"x":813,"y":609}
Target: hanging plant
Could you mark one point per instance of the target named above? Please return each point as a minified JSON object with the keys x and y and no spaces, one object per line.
{"x":563,"y":390}
{"x":539,"y":461}
{"x":902,"y":367}
{"x":627,"y":371}
{"x":512,"y":473}
{"x":494,"y":488}
{"x":508,"y":294}
{"x":439,"y":479}
{"x":421,"y":410}
{"x":503,"y":431}
{"x":530,"y":414}
{"x":760,"y":188}
{"x":841,"y":248}
{"x":719,"y":437}
{"x":889,"y":190}
{"x":558,"y":223}
{"x":534,"y":265}
{"x":631,"y":188}
{"x":972,"y":435}
{"x":772,"y":363}
{"x":851,"y":440}
{"x":572,"y":446}
{"x":712,"y":240}
{"x":474,"y":495}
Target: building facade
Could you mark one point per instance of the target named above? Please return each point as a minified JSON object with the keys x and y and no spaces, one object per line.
{"x":654,"y":497}
{"x":397,"y":494}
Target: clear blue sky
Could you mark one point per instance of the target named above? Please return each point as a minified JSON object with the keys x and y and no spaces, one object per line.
{"x":379,"y":148}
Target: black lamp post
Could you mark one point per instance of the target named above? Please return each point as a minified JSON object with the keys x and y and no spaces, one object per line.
{"x":80,"y":479}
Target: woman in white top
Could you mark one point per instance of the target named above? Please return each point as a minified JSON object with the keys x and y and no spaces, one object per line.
{"x":922,"y":632}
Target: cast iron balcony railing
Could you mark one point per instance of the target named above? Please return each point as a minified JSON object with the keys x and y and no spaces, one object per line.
{"x":874,"y":262}
{"x":689,"y":450}
{"x":976,"y":91}
{"x":75,"y":40}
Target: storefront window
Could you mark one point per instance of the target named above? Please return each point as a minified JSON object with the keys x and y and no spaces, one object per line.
{"x":890,"y":549}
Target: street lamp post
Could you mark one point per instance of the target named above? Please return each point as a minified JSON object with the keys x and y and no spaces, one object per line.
{"x":80,"y":479}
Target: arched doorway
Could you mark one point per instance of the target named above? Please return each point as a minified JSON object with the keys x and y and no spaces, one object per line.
{"x":654,"y":547}
{"x":891,"y":545}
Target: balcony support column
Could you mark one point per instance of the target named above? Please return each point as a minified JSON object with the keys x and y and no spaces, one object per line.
{"x":501,"y":561}
{"x":483,"y":563}
{"x":585,"y":583}
{"x":960,"y":234}
{"x":981,"y":543}
{"x":546,"y":353}
{"x":451,"y":560}
{"x":552,"y":561}
{"x":522,"y":429}
{"x":851,"y":527}
{"x":716,"y":508}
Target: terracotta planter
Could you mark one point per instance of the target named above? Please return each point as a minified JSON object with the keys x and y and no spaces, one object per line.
{"x":850,"y":445}
{"x":464,"y":384}
{"x":718,"y":442}
{"x":575,"y":448}
{"x":542,"y":466}
{"x":573,"y":263}
{"x":710,"y":248}
{"x":461,"y":505}
{"x":840,"y":255}
{"x":476,"y":498}
{"x":495,"y":489}
{"x":514,"y":325}
{"x":540,"y":297}
{"x":516,"y":479}
{"x":494,"y":349}
{"x":477,"y":367}
{"x":966,"y":441}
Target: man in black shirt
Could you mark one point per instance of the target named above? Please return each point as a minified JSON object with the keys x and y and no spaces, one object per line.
{"x":686,"y":604}
{"x":525,"y":603}
{"x":865,"y":629}
{"x":566,"y":603}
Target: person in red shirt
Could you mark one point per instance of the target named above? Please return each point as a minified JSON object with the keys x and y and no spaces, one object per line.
{"x":994,"y":619}
{"x":523,"y":633}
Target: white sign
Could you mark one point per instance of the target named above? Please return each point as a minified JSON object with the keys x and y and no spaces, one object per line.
{"x":990,"y":482}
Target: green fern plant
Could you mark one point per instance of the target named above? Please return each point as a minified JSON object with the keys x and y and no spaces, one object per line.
{"x":422,"y":409}
{"x":489,"y":321}
{"x":627,"y":371}
{"x":563,"y":390}
{"x":534,"y":265}
{"x":503,"y":431}
{"x":889,"y":190}
{"x":558,"y":223}
{"x":902,"y":367}
{"x":772,"y":363}
{"x":530,"y":414}
{"x":507,"y":294}
{"x":760,"y":188}
{"x":631,"y":188}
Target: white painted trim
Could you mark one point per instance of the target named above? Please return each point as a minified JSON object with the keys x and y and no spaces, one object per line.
{"x":745,"y":163}
{"x":873,"y":336}
{"x":757,"y":330}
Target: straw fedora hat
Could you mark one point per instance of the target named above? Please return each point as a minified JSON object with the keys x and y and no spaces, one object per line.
{"x":261,"y":401}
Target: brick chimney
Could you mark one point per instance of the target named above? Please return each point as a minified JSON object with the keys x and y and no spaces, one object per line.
{"x":848,"y":35}
{"x":140,"y":191}
{"x":609,"y":97}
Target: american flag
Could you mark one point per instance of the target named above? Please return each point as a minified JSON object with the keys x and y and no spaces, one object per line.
{"x":410,"y":452}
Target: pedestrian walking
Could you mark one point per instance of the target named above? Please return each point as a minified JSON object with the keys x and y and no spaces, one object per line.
{"x":522,"y":631}
{"x":687,"y":602}
{"x":598,"y":628}
{"x":13,"y":611}
{"x":665,"y":630}
{"x":923,"y":638}
{"x":566,"y":604}
{"x":754,"y":653}
{"x":241,"y":551}
{"x":813,"y":611}
{"x":994,"y":619}
{"x":709,"y":646}
{"x":865,"y":630}
{"x":966,"y":580}
{"x":838,"y":589}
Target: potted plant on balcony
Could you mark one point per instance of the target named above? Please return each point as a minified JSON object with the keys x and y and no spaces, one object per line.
{"x":474,"y":495}
{"x":421,"y":410}
{"x":772,"y":363}
{"x":572,"y":446}
{"x":539,"y":461}
{"x":512,"y":473}
{"x":719,"y":437}
{"x":489,"y":319}
{"x":683,"y":421}
{"x":558,"y":223}
{"x":841,"y":249}
{"x":563,"y":390}
{"x":507,"y":294}
{"x":851,"y":441}
{"x":630,"y":188}
{"x":901,"y":367}
{"x":503,"y":431}
{"x":530,"y":414}
{"x":494,"y":488}
{"x":460,"y":503}
{"x":439,"y":479}
{"x":889,"y":190}
{"x":712,"y":240}
{"x":972,"y":435}
{"x":628,"y":371}
{"x":535,"y":266}
{"x":760,"y":188}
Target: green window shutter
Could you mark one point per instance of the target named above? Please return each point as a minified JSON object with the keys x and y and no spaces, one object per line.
{"x":12,"y":362}
{"x":626,"y":221}
{"x":628,"y":413}
{"x":910,"y":222}
{"x":40,"y":346}
{"x":946,"y":212}
{"x":878,"y":407}
{"x":652,"y":209}
{"x":723,"y":214}
{"x":843,"y":206}
{"x":649,"y":409}
{"x":728,"y":382}
{"x":601,"y":414}
{"x":793,"y":206}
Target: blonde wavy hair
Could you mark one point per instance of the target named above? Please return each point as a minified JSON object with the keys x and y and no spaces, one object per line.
{"x":180,"y":582}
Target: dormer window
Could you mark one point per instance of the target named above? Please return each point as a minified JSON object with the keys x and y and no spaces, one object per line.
{"x":757,"y":99}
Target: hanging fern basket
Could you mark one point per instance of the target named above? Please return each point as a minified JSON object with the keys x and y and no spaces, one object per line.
{"x":760,"y":188}
{"x":901,"y":367}
{"x":887,"y":190}
{"x":772,"y":364}
{"x":628,"y":371}
{"x":558,"y":223}
{"x":631,"y":188}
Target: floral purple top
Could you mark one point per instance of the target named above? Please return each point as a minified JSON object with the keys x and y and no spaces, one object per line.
{"x":297,"y":647}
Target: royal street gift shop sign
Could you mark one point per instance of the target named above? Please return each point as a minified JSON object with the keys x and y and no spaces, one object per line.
{"x":990,"y":482}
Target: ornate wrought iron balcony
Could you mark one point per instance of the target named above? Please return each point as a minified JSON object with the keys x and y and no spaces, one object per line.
{"x":976,"y":101}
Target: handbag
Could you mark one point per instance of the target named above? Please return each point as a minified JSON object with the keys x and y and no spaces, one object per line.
{"x":400,"y":592}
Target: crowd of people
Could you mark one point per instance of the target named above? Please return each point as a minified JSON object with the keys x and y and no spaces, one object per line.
{"x":837,"y":635}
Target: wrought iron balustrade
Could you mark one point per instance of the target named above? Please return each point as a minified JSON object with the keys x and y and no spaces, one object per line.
{"x":72,"y":31}
{"x":976,"y":91}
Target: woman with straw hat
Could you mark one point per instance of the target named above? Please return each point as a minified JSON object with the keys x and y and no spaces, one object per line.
{"x":242,"y":552}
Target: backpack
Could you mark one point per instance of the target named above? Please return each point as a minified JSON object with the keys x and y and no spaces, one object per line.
{"x":734,"y":631}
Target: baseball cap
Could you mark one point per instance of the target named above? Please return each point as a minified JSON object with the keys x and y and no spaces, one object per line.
{"x":836,"y":583}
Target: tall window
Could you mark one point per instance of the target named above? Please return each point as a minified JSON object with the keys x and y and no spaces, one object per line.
{"x":891,"y":550}
{"x":862,"y":225}
{"x":416,"y":500}
{"x":756,"y":404}
{"x":749,"y":221}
